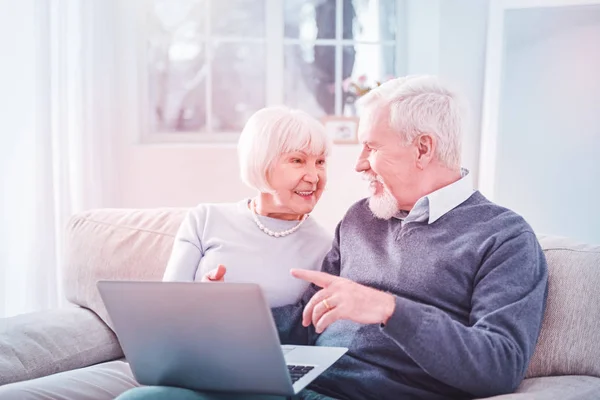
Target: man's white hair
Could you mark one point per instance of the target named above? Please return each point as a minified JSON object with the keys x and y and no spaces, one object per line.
{"x":423,"y":104}
{"x":271,"y":132}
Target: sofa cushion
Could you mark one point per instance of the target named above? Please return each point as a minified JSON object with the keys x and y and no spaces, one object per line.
{"x":555,"y":388}
{"x":46,"y":342}
{"x":568,"y":342}
{"x":116,"y":244}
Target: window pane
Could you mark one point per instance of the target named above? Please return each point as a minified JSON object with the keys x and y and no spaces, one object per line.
{"x":242,"y":18}
{"x":309,"y":21}
{"x":238,"y":84}
{"x":371,"y":20}
{"x":373,"y":64}
{"x":177,"y":67}
{"x":168,"y":16}
{"x":309,"y":78}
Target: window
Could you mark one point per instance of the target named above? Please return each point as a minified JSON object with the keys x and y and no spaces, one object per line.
{"x":210,"y":64}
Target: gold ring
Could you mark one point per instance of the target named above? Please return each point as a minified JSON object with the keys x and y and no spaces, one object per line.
{"x":326,"y":304}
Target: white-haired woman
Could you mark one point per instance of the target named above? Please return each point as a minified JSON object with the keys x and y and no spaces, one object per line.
{"x":282,"y":154}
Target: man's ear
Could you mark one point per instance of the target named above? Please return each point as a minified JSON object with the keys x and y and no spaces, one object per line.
{"x":425,"y":147}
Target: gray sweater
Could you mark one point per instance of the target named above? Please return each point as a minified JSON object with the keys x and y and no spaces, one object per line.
{"x":470,"y":294}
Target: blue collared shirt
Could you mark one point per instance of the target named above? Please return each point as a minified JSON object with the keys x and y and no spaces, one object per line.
{"x":433,"y":206}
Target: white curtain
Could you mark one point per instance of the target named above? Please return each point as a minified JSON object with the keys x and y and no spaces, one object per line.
{"x":55,"y":127}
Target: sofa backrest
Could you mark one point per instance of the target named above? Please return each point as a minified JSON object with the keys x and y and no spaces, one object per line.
{"x":124,"y":244}
{"x":568,"y":342}
{"x":117,"y":244}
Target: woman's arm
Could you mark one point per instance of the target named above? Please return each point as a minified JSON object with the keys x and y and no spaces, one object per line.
{"x":187,"y":249}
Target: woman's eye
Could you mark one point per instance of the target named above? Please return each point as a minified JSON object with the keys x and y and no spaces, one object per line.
{"x":296,"y":160}
{"x":321,"y":162}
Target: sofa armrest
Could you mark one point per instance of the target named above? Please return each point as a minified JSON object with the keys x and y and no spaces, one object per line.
{"x":43,"y":343}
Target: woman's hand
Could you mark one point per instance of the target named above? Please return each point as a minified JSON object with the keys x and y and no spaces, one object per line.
{"x":216,"y":275}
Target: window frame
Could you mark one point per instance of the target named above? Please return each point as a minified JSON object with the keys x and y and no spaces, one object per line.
{"x":275,"y":43}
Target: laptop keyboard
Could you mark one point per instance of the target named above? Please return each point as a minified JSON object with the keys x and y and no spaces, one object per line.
{"x":298,"y":371}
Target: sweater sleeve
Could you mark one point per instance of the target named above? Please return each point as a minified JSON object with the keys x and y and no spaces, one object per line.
{"x":491,"y":355}
{"x":187,"y":249}
{"x":288,"y":319}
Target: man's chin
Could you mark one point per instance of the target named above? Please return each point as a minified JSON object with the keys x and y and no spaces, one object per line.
{"x":383,"y":206}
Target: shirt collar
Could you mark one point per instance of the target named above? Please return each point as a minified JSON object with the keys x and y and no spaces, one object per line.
{"x":434,"y":205}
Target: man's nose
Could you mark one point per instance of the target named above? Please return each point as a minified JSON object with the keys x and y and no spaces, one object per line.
{"x":362,"y":164}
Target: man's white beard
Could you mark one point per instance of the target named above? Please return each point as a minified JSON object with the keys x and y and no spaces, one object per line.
{"x":383,"y":205}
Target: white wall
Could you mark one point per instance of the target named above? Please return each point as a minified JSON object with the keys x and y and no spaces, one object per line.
{"x":448,"y":38}
{"x":549,"y":136}
{"x":445,"y":37}
{"x":463,"y":35}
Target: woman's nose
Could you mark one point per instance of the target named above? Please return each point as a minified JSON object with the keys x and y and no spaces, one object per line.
{"x":311,"y":175}
{"x":312,"y":178}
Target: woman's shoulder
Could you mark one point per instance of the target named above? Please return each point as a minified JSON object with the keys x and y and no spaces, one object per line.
{"x":226,"y":207}
{"x":317,"y":230}
{"x":203,"y":211}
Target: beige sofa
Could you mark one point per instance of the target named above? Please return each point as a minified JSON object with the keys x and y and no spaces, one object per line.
{"x":135,"y":244}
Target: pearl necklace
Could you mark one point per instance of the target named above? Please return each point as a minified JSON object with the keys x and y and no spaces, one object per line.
{"x":270,"y":232}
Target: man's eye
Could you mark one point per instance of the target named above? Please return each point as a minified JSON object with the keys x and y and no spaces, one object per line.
{"x":296,"y":160}
{"x":321,"y":162}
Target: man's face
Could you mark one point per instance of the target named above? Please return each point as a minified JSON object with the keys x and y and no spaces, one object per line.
{"x":388,"y":164}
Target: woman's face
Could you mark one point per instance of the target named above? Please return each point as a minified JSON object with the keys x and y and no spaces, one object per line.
{"x":298,"y":179}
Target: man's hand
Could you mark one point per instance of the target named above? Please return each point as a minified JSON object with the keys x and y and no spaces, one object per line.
{"x":216,"y":275}
{"x":342,"y":298}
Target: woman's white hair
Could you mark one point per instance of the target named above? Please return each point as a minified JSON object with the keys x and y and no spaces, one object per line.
{"x":423,"y":104}
{"x":271,"y":132}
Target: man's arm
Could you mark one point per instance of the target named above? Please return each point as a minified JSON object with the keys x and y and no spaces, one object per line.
{"x":490,"y":356}
{"x":288,"y":319}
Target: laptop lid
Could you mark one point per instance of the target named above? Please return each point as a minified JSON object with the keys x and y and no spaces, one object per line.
{"x":200,"y":336}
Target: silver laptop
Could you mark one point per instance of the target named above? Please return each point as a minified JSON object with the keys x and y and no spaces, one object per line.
{"x":209,"y":337}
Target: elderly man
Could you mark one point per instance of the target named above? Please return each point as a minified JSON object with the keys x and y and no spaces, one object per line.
{"x":437,"y":292}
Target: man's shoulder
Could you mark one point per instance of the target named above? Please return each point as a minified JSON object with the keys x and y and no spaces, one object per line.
{"x":483,"y":210}
{"x":359,"y":211}
{"x":479,"y":217}
{"x":359,"y":221}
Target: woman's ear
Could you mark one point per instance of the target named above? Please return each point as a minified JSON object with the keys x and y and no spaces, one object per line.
{"x":426,"y":148}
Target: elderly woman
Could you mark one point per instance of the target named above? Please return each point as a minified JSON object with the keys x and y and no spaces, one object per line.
{"x":282,"y":154}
